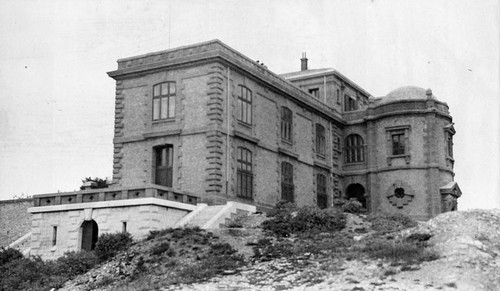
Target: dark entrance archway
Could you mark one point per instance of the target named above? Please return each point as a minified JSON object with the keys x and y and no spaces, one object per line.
{"x":90,"y":232}
{"x":356,"y":191}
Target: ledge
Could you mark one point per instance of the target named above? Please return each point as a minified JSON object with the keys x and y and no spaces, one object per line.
{"x":321,"y":165}
{"x":246,"y":137}
{"x":116,"y":203}
{"x":288,"y":153}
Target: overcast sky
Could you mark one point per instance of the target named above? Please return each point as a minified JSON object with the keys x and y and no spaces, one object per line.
{"x":57,"y":103}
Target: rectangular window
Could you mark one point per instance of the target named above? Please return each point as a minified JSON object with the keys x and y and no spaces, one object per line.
{"x":449,"y":144}
{"x":244,"y":183}
{"x":320,"y":139}
{"x":54,"y":235}
{"x":321,"y":191}
{"x":245,"y":105}
{"x":287,"y":186}
{"x":314,"y":92}
{"x":350,"y":103}
{"x":164,"y":100}
{"x":398,"y":144}
{"x":338,"y":96}
{"x":124,"y":226}
{"x":286,"y":124}
{"x":164,"y":156}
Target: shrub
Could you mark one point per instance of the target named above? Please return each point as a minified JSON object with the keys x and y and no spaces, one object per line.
{"x":390,"y":222}
{"x":109,"y":244}
{"x":8,"y":255}
{"x":282,"y":208}
{"x":160,"y":248}
{"x":353,"y":206}
{"x":72,"y":264}
{"x":399,"y":251}
{"x":287,"y":219}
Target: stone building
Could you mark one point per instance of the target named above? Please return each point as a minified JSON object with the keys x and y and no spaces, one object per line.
{"x":204,"y":123}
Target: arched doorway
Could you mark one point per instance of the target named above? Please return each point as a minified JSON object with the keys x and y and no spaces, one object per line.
{"x":90,"y":232}
{"x":356,"y":191}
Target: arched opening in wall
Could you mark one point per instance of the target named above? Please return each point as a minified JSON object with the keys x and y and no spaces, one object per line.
{"x":90,"y":232}
{"x":356,"y":191}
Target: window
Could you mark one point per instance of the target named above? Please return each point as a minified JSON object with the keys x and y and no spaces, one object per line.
{"x":244,"y":185}
{"x":54,"y":235}
{"x":354,"y":149}
{"x":314,"y":92}
{"x":449,"y":145}
{"x":164,"y":100}
{"x":245,"y":105}
{"x":398,"y":143}
{"x":321,"y":191}
{"x":287,"y":182}
{"x":350,"y":103}
{"x":164,"y":157}
{"x":286,"y":124}
{"x":320,"y":139}
{"x":338,"y":96}
{"x":124,"y":226}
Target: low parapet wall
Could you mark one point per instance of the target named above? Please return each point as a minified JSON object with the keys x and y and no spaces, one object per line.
{"x":15,"y":221}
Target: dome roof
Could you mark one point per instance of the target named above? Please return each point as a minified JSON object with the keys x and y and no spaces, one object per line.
{"x":408,"y":93}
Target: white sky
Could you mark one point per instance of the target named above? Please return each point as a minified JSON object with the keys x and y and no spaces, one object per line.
{"x":57,"y":103}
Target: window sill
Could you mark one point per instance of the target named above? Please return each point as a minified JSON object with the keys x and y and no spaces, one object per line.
{"x":160,"y":121}
{"x":354,"y":163}
{"x":321,"y":156}
{"x":406,"y":157}
{"x":244,"y":124}
{"x":288,"y":142}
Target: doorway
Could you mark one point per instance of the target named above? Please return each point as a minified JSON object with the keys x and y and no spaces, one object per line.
{"x":90,"y":233}
{"x":356,"y":191}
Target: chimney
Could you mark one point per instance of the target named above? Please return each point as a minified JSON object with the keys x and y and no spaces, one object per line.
{"x":303,"y":62}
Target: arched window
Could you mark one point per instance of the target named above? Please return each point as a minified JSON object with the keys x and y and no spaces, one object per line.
{"x":244,"y":184}
{"x":286,"y":124}
{"x":164,"y":100}
{"x":287,"y":182}
{"x":320,"y":139}
{"x":321,"y":191}
{"x":354,"y":149}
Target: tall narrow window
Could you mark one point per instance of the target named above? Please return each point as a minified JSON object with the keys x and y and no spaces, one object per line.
{"x":124,"y":226}
{"x":164,"y":100}
{"x":449,"y":145}
{"x":164,"y":157}
{"x":244,"y":184}
{"x":245,"y":105}
{"x":338,"y":96}
{"x":286,"y":124}
{"x":354,"y":149}
{"x":320,"y":139}
{"x":321,"y":191}
{"x":398,"y":144}
{"x":54,"y":235}
{"x":287,"y":186}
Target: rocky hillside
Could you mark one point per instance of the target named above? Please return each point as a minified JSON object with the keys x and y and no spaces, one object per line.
{"x":453,"y":251}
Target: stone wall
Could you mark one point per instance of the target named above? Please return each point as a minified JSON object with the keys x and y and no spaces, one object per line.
{"x":15,"y":221}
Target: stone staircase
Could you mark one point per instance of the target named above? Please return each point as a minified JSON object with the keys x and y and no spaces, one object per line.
{"x":23,"y":244}
{"x":215,"y":216}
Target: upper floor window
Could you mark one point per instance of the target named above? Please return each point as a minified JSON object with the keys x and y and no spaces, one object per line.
{"x":245,"y":105}
{"x":449,"y":145}
{"x":286,"y":124}
{"x":321,"y":191}
{"x":338,"y":96}
{"x":164,"y":100}
{"x":350,"y":103}
{"x":354,"y":149}
{"x":320,"y":139}
{"x":398,"y":143}
{"x":314,"y":92}
{"x":244,"y":183}
{"x":287,"y":186}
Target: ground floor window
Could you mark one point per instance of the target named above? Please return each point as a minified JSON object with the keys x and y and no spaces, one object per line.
{"x":287,"y":186}
{"x":164,"y":159}
{"x":244,"y":174}
{"x":322,"y":199}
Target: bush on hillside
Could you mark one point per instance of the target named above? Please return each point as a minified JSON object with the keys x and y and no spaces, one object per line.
{"x":109,"y":244}
{"x":9,"y":254}
{"x":353,"y":206}
{"x":286,"y":219}
{"x":404,"y":252}
{"x":72,"y":263}
{"x":389,"y":222}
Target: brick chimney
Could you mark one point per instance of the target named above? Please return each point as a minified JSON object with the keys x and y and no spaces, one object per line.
{"x":303,"y":62}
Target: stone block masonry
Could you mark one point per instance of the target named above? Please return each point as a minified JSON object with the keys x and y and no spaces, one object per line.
{"x":15,"y":221}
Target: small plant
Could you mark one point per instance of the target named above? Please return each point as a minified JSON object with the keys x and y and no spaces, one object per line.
{"x":72,"y":264}
{"x":109,"y":244}
{"x":353,"y":206}
{"x":160,"y":248}
{"x":390,"y":222}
